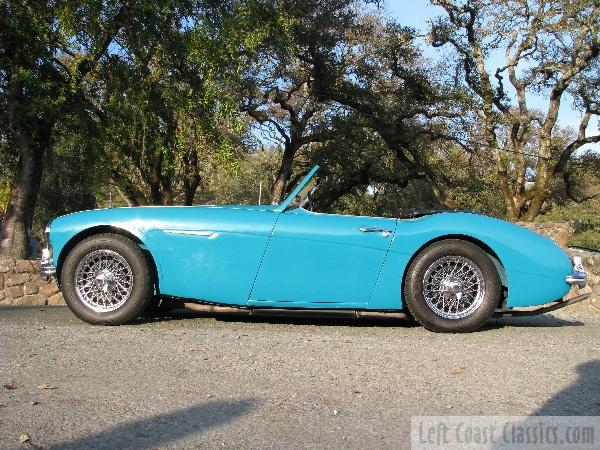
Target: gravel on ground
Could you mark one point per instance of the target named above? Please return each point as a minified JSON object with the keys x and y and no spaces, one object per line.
{"x":196,"y":381}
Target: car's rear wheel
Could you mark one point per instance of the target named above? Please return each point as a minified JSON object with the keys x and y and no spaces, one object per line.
{"x":452,"y":286}
{"x":106,"y":279}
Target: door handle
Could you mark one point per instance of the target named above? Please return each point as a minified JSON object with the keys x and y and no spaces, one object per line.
{"x":383,"y":231}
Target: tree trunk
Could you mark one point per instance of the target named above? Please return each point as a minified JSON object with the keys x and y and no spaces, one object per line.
{"x":284,"y":174}
{"x":190,"y":186}
{"x":155,"y":192}
{"x":168,"y":197}
{"x":191,"y":176}
{"x":18,"y":219}
{"x":133,"y":196}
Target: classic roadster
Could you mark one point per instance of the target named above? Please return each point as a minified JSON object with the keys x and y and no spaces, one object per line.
{"x":450,"y":270}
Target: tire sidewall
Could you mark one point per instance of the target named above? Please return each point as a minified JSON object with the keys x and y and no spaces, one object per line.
{"x":416,"y":303}
{"x":141,"y":292}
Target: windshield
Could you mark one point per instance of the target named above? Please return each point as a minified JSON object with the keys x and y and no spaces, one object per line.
{"x":303,"y":197}
{"x":301,"y":194}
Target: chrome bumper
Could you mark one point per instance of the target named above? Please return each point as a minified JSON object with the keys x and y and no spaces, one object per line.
{"x":47,"y":268}
{"x":578,"y":277}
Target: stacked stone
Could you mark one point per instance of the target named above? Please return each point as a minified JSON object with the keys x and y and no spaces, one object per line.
{"x":591,"y":262}
{"x":21,"y":284}
{"x":557,"y":231}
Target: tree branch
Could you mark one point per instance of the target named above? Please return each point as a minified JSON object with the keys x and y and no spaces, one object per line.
{"x":86,"y":65}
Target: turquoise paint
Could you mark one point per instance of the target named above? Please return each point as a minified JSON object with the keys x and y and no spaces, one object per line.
{"x":219,"y":268}
{"x":321,"y":260}
{"x":535,"y":266}
{"x":263,"y":255}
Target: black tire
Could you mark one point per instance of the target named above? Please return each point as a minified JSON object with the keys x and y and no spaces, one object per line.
{"x":436,"y":257}
{"x":141,"y":280}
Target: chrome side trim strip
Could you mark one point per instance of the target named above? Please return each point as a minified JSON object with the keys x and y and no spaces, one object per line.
{"x":205,"y":233}
{"x":383,"y":231}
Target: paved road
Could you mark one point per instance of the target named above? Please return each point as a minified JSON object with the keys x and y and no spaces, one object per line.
{"x":192,"y":381}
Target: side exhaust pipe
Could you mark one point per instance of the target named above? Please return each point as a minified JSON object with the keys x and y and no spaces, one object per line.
{"x":277,"y":312}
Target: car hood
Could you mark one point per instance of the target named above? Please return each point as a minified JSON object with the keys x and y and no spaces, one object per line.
{"x":150,"y":211}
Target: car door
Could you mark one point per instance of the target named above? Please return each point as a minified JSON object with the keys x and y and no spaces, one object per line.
{"x":322,"y":260}
{"x":211,"y":254}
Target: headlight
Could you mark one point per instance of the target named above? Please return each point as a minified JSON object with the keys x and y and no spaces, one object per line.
{"x":46,"y":254}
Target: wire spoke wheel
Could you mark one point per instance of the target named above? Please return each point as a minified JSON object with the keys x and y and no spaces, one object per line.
{"x":103,"y":280}
{"x":453,"y":287}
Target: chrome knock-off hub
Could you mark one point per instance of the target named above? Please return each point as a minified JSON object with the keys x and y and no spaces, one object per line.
{"x":453,"y":287}
{"x":103,"y":280}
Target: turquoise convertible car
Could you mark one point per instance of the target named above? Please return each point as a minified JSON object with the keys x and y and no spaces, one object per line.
{"x":451,"y":271}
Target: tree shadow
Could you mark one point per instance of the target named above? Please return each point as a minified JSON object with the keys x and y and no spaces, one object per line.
{"x":162,"y":429}
{"x":581,"y":398}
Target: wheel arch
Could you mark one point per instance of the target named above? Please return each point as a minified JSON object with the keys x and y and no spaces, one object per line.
{"x":479,"y":243}
{"x":104,"y":229}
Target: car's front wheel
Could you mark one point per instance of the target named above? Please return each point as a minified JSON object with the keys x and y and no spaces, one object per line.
{"x":452,"y":286}
{"x":106,"y":279}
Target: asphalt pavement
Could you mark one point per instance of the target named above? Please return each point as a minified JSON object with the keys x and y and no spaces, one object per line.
{"x":196,"y":381}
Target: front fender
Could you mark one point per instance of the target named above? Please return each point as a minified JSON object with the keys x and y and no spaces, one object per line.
{"x":66,"y":228}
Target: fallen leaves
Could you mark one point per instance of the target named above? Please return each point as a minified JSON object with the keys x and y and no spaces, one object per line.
{"x":24,"y":438}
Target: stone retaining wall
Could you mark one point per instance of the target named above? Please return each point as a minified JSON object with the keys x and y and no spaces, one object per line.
{"x":21,"y":284}
{"x":557,"y":231}
{"x":591,"y":262}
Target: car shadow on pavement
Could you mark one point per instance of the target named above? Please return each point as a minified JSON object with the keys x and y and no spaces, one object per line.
{"x":580,"y":398}
{"x":325,"y":320}
{"x":163,"y":429}
{"x":541,"y":321}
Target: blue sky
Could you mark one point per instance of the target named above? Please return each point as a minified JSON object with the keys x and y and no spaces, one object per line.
{"x":415,"y":13}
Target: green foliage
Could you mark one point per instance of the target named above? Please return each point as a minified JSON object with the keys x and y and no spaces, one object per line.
{"x":583,"y":219}
{"x":361,"y":175}
{"x":4,"y":195}
{"x":471,"y":181}
{"x":174,"y":111}
{"x":73,"y":174}
{"x":7,"y":166}
{"x":587,"y":239}
{"x":148,"y":102}
{"x":222,"y":187}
